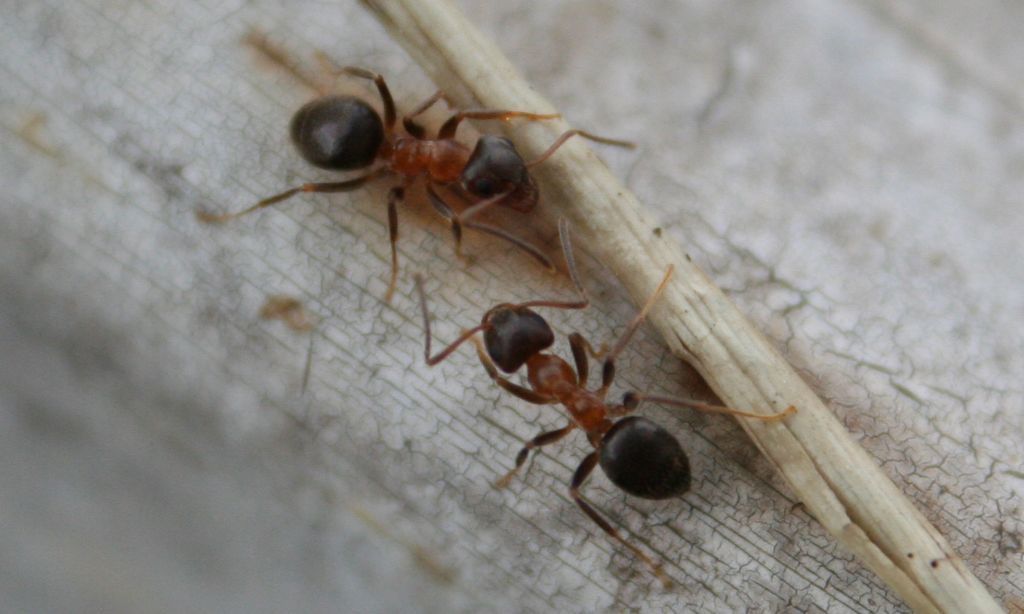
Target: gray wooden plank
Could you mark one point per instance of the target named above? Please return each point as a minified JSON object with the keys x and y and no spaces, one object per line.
{"x":854,"y":184}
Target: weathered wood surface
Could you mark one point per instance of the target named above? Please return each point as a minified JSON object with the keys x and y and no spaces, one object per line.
{"x":849,"y":173}
{"x":836,"y":481}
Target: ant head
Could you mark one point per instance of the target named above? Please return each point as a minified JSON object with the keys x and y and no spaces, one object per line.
{"x":338,"y":133}
{"x":514,"y":334}
{"x":644,"y":459}
{"x":495,"y":167}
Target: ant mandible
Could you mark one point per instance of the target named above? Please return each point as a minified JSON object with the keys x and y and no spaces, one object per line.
{"x":344,"y":133}
{"x":639,"y":456}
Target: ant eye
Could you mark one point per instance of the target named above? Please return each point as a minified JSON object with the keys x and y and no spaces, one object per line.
{"x":484,"y":186}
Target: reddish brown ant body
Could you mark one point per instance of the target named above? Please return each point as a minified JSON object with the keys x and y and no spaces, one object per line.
{"x":639,"y":456}
{"x":344,"y":133}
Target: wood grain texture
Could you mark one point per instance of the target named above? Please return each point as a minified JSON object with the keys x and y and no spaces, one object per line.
{"x":840,"y":484}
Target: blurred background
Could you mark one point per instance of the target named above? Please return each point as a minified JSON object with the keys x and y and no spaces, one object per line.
{"x":850,"y":172}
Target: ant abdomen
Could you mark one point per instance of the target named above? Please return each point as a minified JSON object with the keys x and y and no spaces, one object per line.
{"x":514,"y":335}
{"x":338,"y":133}
{"x":644,"y":459}
{"x":495,"y":167}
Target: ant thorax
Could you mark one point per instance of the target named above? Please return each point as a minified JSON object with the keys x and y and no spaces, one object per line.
{"x":551,"y":376}
{"x":443,"y":160}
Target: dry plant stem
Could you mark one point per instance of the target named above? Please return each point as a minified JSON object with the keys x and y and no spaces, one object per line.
{"x":836,"y":480}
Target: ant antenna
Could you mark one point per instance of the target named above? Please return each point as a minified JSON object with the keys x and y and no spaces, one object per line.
{"x":449,"y":127}
{"x":587,"y":135}
{"x":570,"y":263}
{"x":608,"y":369}
{"x":640,"y":317}
{"x":632,"y":400}
{"x":466,"y":334}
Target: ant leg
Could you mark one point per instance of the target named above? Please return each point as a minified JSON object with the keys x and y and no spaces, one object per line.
{"x":543,"y":439}
{"x":632,"y":400}
{"x":570,"y":263}
{"x":587,"y":135}
{"x":579,"y":347}
{"x":395,"y":196}
{"x":596,"y":354}
{"x":331,"y":187}
{"x":279,"y":57}
{"x":459,"y":221}
{"x":382,"y":87}
{"x":608,"y":371}
{"x":514,"y":240}
{"x":570,"y":260}
{"x":414,"y":128}
{"x":523,"y":393}
{"x":581,"y":475}
{"x":446,"y":212}
{"x":426,"y":104}
{"x":466,"y":334}
{"x":475,"y":209}
{"x":448,"y":129}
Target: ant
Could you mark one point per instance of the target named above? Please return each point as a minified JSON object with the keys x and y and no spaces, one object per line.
{"x":638,"y":456}
{"x":345,"y":133}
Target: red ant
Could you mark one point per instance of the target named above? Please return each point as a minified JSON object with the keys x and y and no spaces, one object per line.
{"x":637,"y":455}
{"x":344,"y":133}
